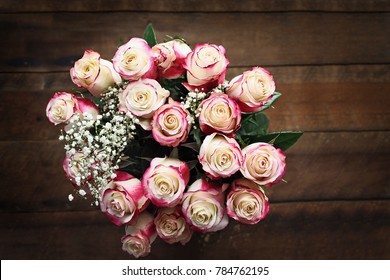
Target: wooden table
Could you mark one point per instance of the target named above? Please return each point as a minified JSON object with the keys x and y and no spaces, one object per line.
{"x":330,"y":59}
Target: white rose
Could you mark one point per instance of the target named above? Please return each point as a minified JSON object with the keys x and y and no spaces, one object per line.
{"x":142,"y":98}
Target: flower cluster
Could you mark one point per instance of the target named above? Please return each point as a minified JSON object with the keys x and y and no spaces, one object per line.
{"x":164,"y":145}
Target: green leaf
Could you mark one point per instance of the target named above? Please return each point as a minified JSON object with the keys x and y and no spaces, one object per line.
{"x":150,"y":35}
{"x":254,"y":124}
{"x":282,"y":140}
{"x":271,"y":101}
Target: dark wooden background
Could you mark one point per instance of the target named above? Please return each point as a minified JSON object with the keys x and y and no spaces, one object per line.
{"x":330,"y":60}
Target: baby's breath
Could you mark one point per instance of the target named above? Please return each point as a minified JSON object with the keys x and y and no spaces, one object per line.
{"x":94,"y":146}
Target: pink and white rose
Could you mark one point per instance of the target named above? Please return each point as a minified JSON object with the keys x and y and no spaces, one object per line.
{"x":219,"y":113}
{"x":140,"y":234}
{"x":135,"y":60}
{"x":165,"y":181}
{"x":171,"y":226}
{"x":61,"y":107}
{"x":142,"y":98}
{"x":263,"y":164}
{"x":252,"y":89}
{"x":87,"y":107}
{"x":220,"y":156}
{"x":94,"y":73}
{"x":206,"y":67}
{"x":170,"y":125}
{"x":170,"y":58}
{"x":76,"y":166}
{"x":246,"y":202}
{"x":203,"y":206}
{"x":123,"y":199}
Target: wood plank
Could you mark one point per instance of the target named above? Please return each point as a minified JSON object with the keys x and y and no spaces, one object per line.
{"x":326,"y":98}
{"x":194,"y":6}
{"x":321,"y":166}
{"x":52,"y":42}
{"x":313,"y":230}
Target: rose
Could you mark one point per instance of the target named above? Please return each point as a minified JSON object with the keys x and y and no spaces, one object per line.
{"x":170,"y":126}
{"x":246,"y":202}
{"x":140,"y":234}
{"x":135,"y":60}
{"x":170,"y":58}
{"x":206,"y":67}
{"x":87,"y":108}
{"x":263,"y":164}
{"x":220,"y":156}
{"x":171,"y":226}
{"x":93,"y":73}
{"x":61,"y":107}
{"x":252,"y":89}
{"x":219,"y":113}
{"x":165,"y":180}
{"x":142,"y":98}
{"x":77,"y":167}
{"x":123,"y":198}
{"x":203,"y":206}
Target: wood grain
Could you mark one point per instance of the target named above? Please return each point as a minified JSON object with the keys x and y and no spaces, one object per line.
{"x":331,"y":61}
{"x":193,"y":6}
{"x":321,"y":166}
{"x":52,"y":42}
{"x":311,"y":230}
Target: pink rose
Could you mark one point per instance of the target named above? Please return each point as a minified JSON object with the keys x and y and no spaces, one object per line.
{"x":220,"y":156}
{"x":123,"y":198}
{"x":93,"y":73}
{"x":77,"y":168}
{"x":140,"y":234}
{"x":165,"y":180}
{"x":170,"y":126}
{"x":203,"y":207}
{"x":171,"y":226}
{"x":263,"y":164}
{"x":134,"y":60}
{"x":61,"y":107}
{"x":246,"y":202}
{"x":252,"y":89}
{"x":142,"y":98}
{"x":170,"y":58}
{"x":87,"y":107}
{"x":206,"y":67}
{"x":219,"y":113}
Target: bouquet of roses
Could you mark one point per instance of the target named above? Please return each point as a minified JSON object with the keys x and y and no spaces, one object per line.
{"x":164,"y":144}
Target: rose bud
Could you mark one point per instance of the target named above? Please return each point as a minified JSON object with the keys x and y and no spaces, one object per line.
{"x":61,"y":107}
{"x":252,"y":89}
{"x":93,"y":73}
{"x":170,"y":126}
{"x":140,"y":234}
{"x":220,"y":156}
{"x":134,"y":60}
{"x":206,"y":67}
{"x":246,"y":202}
{"x":170,"y":58}
{"x":263,"y":164}
{"x":171,"y":226}
{"x":203,"y":207}
{"x":123,"y":198}
{"x":219,"y":113}
{"x":142,"y":98}
{"x":165,"y":180}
